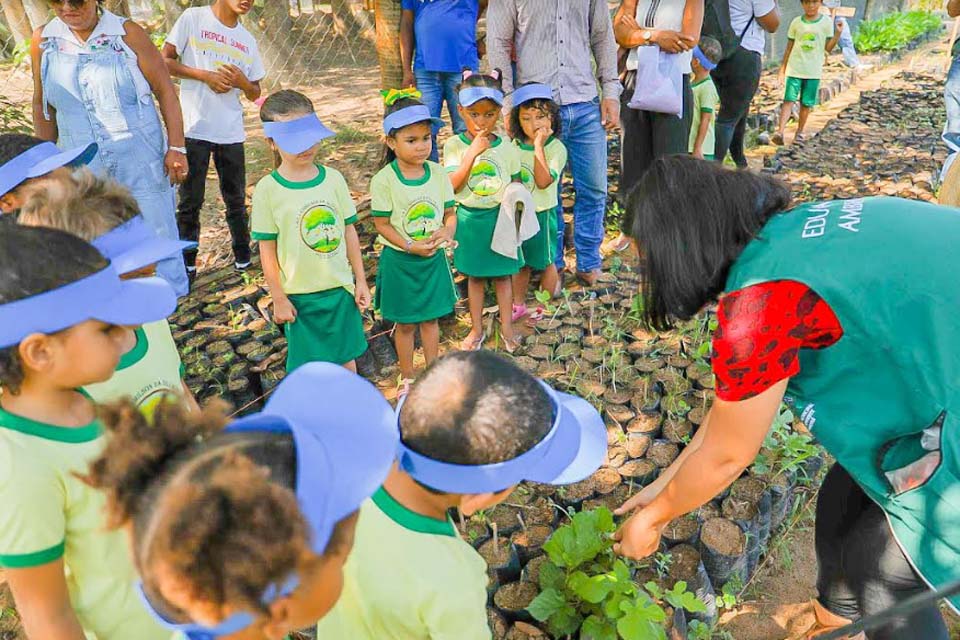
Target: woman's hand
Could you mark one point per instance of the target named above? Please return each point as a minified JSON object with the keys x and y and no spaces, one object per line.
{"x":283,"y":310}
{"x":638,"y":537}
{"x":175,"y":166}
{"x":639,"y":500}
{"x":362,"y":296}
{"x":673,"y":41}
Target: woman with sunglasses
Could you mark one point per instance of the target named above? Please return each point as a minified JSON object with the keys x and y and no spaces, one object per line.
{"x":95,"y":75}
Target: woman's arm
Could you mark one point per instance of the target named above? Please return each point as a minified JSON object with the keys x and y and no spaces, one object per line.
{"x":355,"y":256}
{"x":770,"y":22}
{"x":626,"y":31}
{"x":736,"y":433}
{"x":155,"y":70}
{"x":44,"y":129}
{"x":43,"y":602}
{"x":692,"y":21}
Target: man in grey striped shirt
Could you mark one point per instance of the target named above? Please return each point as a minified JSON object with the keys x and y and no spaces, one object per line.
{"x":556,"y":43}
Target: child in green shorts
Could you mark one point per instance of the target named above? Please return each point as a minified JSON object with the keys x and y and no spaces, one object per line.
{"x":241,"y":532}
{"x":706,"y":100}
{"x":481,"y":164}
{"x":810,"y":38}
{"x":534,"y":123}
{"x":104,"y":213}
{"x":303,"y":218}
{"x":64,"y":318}
{"x":473,"y":426}
{"x":411,"y":201}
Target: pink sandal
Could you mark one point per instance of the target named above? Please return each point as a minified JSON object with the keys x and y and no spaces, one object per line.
{"x":519,"y":310}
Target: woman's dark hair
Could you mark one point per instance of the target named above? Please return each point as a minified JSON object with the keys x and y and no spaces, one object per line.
{"x":549,"y":107}
{"x":283,"y":103}
{"x":388,"y":155}
{"x":491,"y":80}
{"x":13,"y":144}
{"x":692,"y":219}
{"x":34,"y":260}
{"x":217,"y":510}
{"x":475,"y":408}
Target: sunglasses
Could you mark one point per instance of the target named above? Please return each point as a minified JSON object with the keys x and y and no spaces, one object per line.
{"x":76,"y":4}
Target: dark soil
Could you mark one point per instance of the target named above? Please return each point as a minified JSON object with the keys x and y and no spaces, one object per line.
{"x":498,"y":624}
{"x":616,"y":457}
{"x":606,"y":480}
{"x":530,"y":541}
{"x":682,"y":528}
{"x":662,"y":453}
{"x":618,"y":396}
{"x":723,"y":536}
{"x":748,"y":488}
{"x":531,"y":571}
{"x":496,"y":556}
{"x":684,"y":564}
{"x":739,"y":509}
{"x":618,"y":413}
{"x":579,"y":491}
{"x":637,"y":469}
{"x":524,"y":631}
{"x":540,"y":512}
{"x":645,"y":423}
{"x":677,"y":430}
{"x":505,"y":517}
{"x":708,"y":511}
{"x":515,"y":596}
{"x":637,"y":445}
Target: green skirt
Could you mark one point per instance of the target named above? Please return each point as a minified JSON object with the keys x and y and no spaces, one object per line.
{"x":473,"y":256}
{"x":413,"y":289}
{"x":540,"y":251}
{"x":328,"y":328}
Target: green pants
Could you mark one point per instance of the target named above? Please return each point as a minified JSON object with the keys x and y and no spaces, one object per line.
{"x":807,"y":90}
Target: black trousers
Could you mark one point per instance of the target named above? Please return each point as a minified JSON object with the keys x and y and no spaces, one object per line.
{"x":230,"y":162}
{"x":737,"y":79}
{"x":861,"y":568}
{"x":647,"y":135}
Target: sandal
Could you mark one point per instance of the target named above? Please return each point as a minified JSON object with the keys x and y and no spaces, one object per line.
{"x":536,"y":315}
{"x":519,"y":310}
{"x":510,"y":346}
{"x":474,"y":344}
{"x":404,"y":387}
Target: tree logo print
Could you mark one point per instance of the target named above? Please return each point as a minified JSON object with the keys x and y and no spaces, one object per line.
{"x":319,"y":229}
{"x":418,"y":222}
{"x":485,"y":178}
{"x":526,"y":177}
{"x":808,"y":42}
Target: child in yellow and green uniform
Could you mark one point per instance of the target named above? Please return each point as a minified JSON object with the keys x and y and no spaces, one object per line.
{"x":481,"y":164}
{"x":303,"y":217}
{"x":64,"y":318}
{"x":105,"y":213}
{"x":810,"y":38}
{"x":473,"y":426}
{"x":706,"y":100}
{"x":411,"y":201}
{"x":534,"y":121}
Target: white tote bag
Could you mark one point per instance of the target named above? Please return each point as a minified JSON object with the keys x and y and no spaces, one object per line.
{"x":659,"y":82}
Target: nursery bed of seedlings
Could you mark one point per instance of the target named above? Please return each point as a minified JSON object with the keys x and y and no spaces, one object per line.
{"x":551,"y":571}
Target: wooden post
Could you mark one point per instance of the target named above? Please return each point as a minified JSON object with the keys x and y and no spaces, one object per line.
{"x":387,"y":19}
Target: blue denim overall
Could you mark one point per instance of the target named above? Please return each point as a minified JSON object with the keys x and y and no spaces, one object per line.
{"x":100,"y":96}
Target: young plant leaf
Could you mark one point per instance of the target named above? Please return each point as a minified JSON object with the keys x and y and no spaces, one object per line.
{"x":551,"y":577}
{"x":679,"y":597}
{"x":564,"y":622}
{"x":596,"y":628}
{"x":642,"y":620}
{"x":592,"y":589}
{"x":549,"y":603}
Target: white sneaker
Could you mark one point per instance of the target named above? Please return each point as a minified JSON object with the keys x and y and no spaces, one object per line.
{"x":241,"y":266}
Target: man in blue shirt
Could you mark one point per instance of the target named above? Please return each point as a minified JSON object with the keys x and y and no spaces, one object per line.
{"x":438,"y":40}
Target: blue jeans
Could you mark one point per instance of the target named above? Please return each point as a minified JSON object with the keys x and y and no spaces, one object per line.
{"x":586,"y":141}
{"x":951,"y":95}
{"x":438,"y":87}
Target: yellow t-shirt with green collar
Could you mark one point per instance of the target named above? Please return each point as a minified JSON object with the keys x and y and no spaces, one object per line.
{"x":149,"y":372}
{"x":492,"y":171}
{"x":409,"y":577}
{"x":308,"y":220}
{"x":415,"y":207}
{"x":48,"y":514}
{"x":556,"y":154}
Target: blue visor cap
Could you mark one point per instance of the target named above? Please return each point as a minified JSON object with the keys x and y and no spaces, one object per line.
{"x":529,"y":92}
{"x":472,"y":95}
{"x":410,"y":115}
{"x":40,"y":160}
{"x":703,"y":59}
{"x":100,"y":296}
{"x":573,"y":449}
{"x":344,"y":434}
{"x":134,"y":245}
{"x":296,"y":136}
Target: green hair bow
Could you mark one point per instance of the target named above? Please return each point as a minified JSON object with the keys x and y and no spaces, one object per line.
{"x":391,"y":96}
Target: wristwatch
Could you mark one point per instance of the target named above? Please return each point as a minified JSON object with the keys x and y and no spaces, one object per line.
{"x":182,"y":150}
{"x":646,"y":35}
{"x":409,"y":244}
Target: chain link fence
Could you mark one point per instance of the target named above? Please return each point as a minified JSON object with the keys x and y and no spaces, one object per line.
{"x":303,"y":42}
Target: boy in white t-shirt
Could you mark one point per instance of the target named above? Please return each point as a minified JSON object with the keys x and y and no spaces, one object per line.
{"x":216,"y":59}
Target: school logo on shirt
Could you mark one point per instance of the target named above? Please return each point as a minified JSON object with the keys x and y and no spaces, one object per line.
{"x":419,"y":219}
{"x":319,"y":229}
{"x":485,"y":178}
{"x":808,"y":42}
{"x":526,"y":177}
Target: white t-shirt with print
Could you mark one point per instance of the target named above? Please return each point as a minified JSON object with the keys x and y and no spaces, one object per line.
{"x":203,"y":42}
{"x":754,"y":39}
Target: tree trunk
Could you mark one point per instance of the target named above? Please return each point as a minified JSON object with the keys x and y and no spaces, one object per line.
{"x":37,"y":11}
{"x":272,"y":27}
{"x":387,"y":15}
{"x":119,"y":7}
{"x":16,"y":17}
{"x":352,"y":21}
